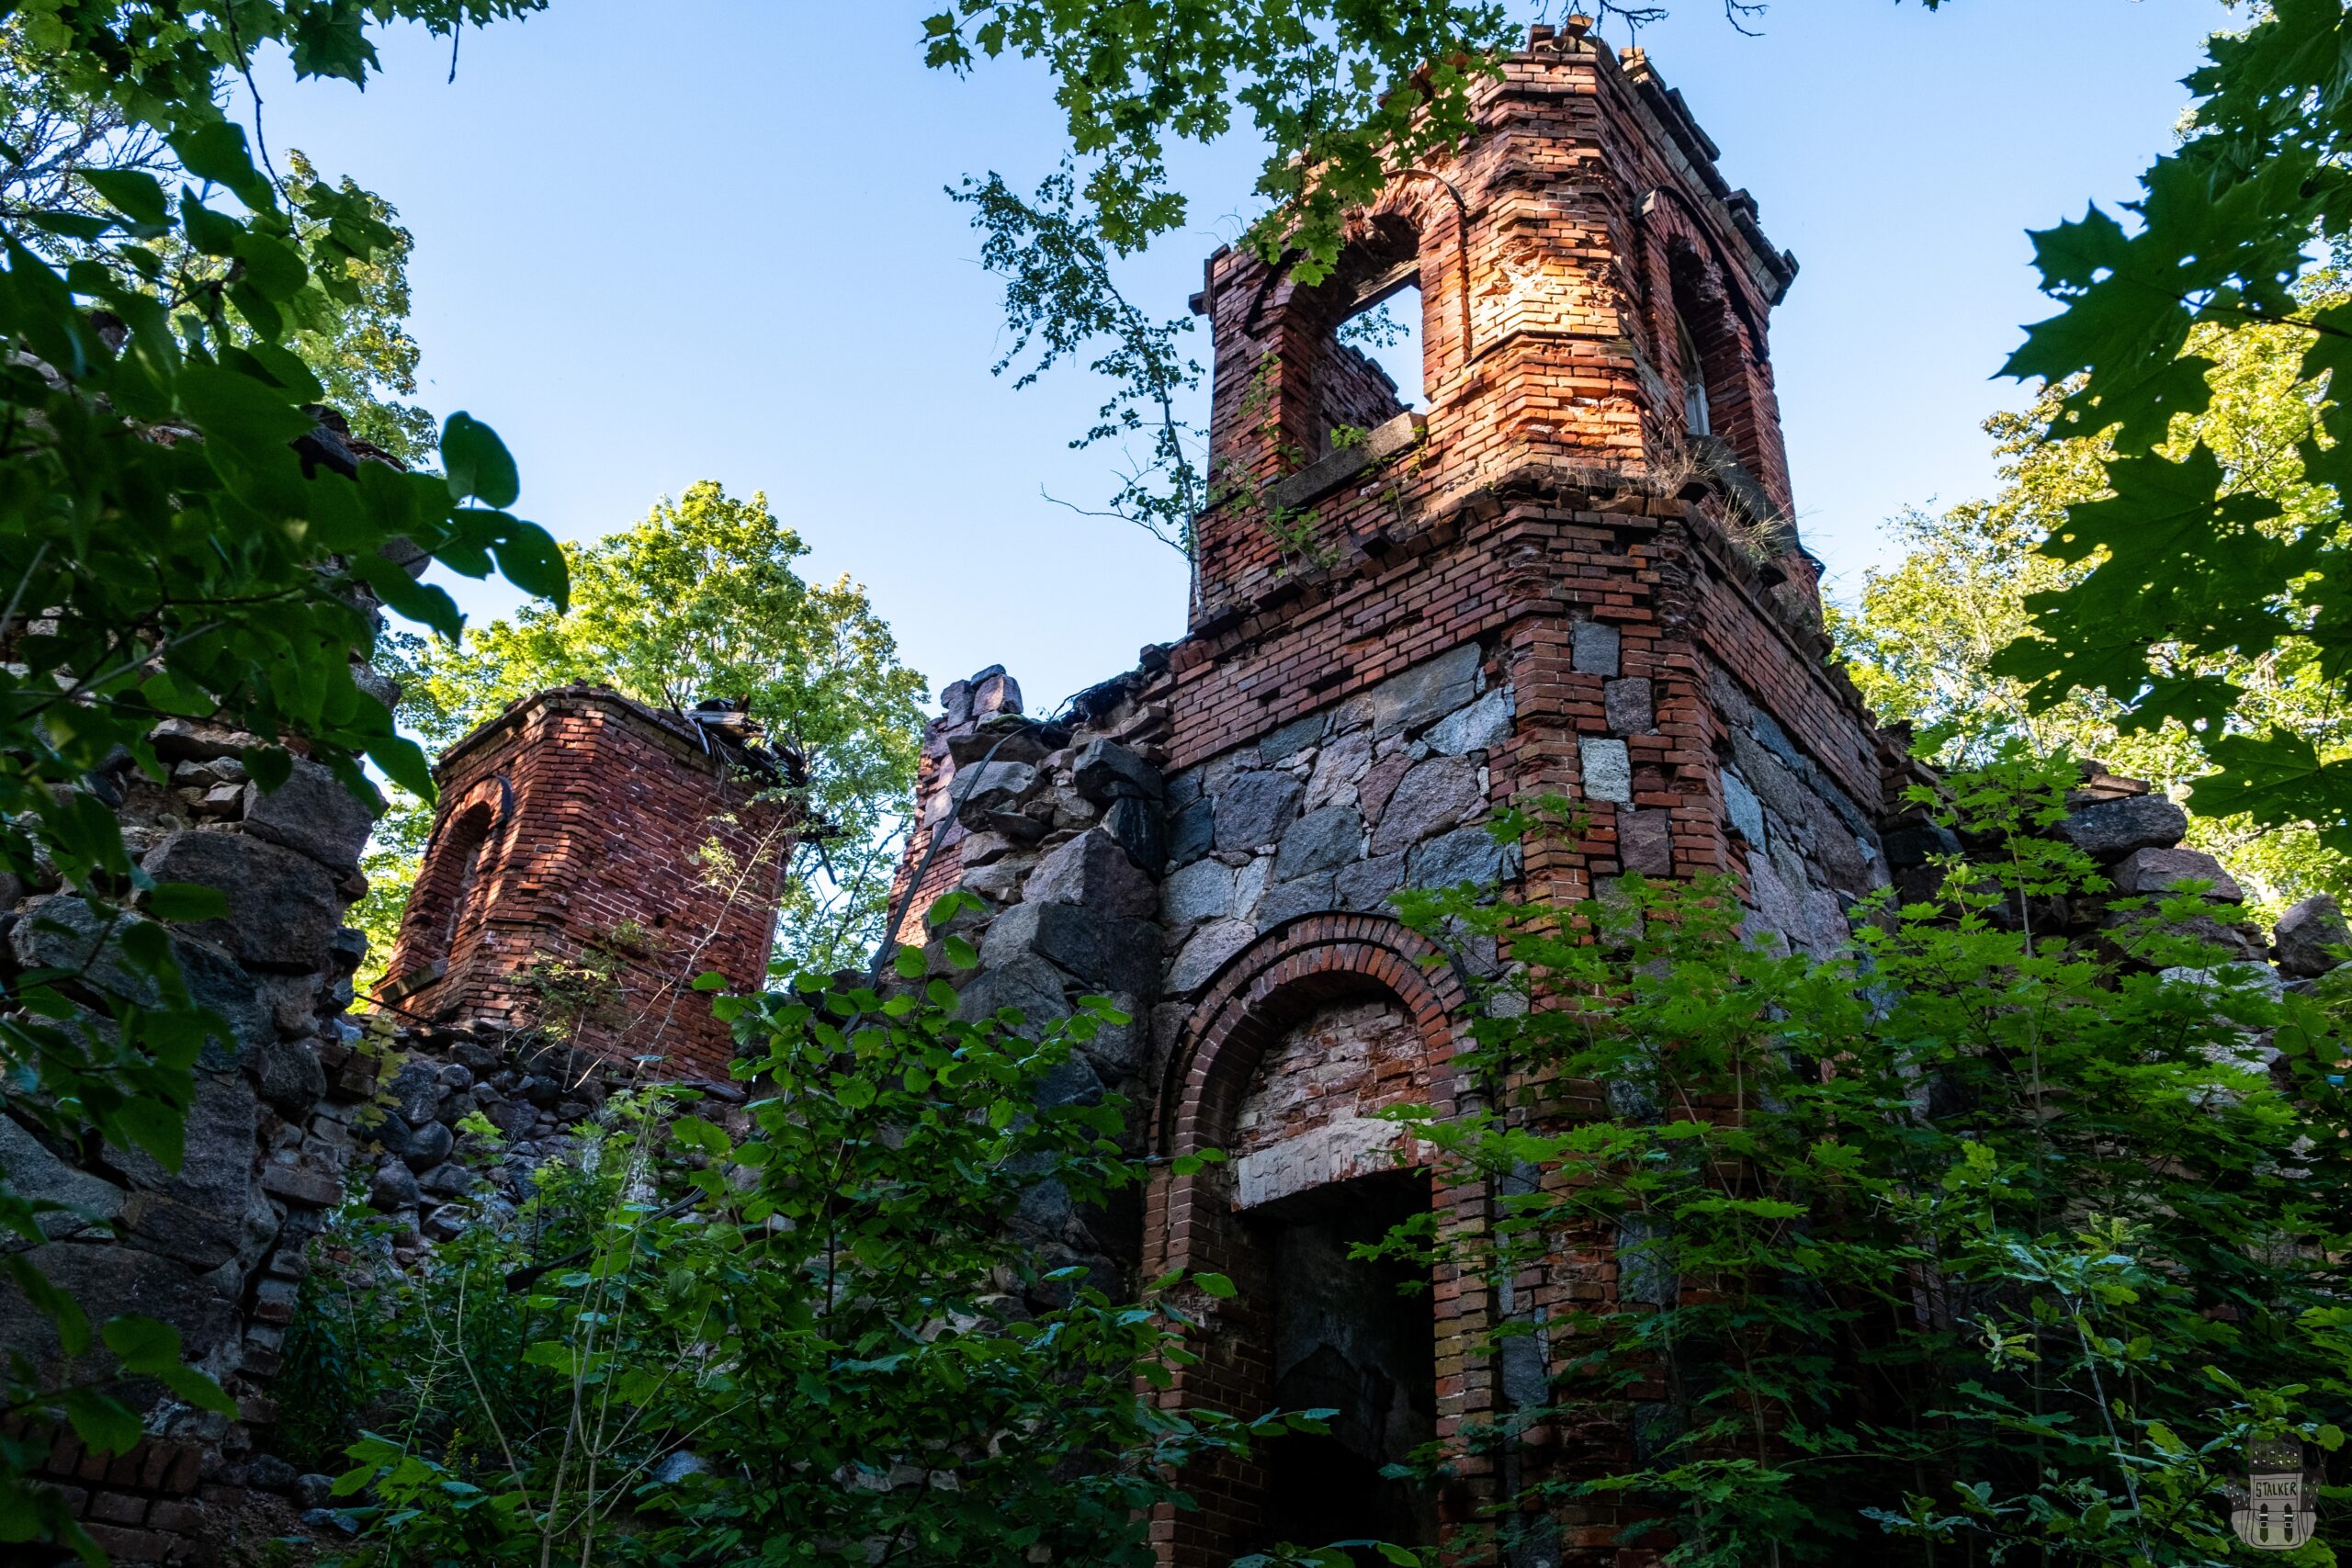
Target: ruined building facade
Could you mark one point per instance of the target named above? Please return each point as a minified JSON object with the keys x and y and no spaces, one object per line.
{"x":1573,"y":574}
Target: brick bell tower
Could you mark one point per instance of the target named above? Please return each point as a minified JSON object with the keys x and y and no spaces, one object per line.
{"x":1574,"y":572}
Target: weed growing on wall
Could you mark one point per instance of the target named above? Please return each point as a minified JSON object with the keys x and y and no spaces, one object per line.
{"x":1972,"y":1245}
{"x":796,"y":1330}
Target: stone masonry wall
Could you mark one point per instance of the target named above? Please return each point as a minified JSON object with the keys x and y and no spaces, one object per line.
{"x":216,"y":1248}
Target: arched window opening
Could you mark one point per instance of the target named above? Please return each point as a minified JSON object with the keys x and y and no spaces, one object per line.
{"x":1371,"y":369}
{"x":1695,"y":417}
{"x":457,"y":865}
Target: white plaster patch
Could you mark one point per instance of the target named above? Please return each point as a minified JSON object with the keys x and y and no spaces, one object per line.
{"x":1337,"y":1151}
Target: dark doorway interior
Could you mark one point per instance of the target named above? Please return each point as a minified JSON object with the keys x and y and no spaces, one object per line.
{"x":1347,"y":1338}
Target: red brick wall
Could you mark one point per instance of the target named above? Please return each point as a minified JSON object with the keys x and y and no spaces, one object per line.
{"x":594,"y":813}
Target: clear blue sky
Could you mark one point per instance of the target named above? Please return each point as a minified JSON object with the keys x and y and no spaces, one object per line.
{"x":707,"y":240}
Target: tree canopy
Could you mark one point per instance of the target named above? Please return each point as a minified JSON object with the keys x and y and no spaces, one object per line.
{"x":2191,"y":568}
{"x":178,"y":538}
{"x":1924,"y":639}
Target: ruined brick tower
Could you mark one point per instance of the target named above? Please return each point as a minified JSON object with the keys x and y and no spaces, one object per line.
{"x":1574,"y":574}
{"x":589,"y":856}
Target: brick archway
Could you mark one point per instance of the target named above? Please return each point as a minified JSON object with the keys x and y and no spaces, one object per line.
{"x":1263,"y":997}
{"x":1274,"y":981}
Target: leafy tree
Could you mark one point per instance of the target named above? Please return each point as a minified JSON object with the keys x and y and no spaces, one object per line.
{"x":165,"y":551}
{"x":366,"y":360}
{"x":1342,"y":94}
{"x":1924,"y":637}
{"x":363,"y":355}
{"x":701,"y":600}
{"x":835,"y":1351}
{"x":2189,"y":574}
{"x":1972,"y":1245}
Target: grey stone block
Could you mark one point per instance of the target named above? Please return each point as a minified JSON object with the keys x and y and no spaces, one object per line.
{"x":1593,"y":647}
{"x":1095,"y":871}
{"x":1339,"y":769}
{"x":1747,"y":812}
{"x":427,"y":1147}
{"x":1482,"y":725}
{"x":63,"y":932}
{"x":283,"y":909}
{"x":1134,"y":823}
{"x":990,"y":791}
{"x":1628,"y":703}
{"x":449,"y":1179}
{"x":2111,"y":829}
{"x":2306,"y":933}
{"x":34,"y":1173}
{"x":1191,"y":831}
{"x":1026,"y":983}
{"x":1466,"y":854}
{"x":1255,"y":810}
{"x":1070,"y":1082}
{"x":1104,"y":952}
{"x":1645,"y":843}
{"x":1208,"y":950}
{"x":1291,"y":738}
{"x":393,"y":1187}
{"x":2157,"y":870}
{"x":1367,"y":883}
{"x":1288,"y":900}
{"x":416,"y":1093}
{"x":1608,"y":769}
{"x":1201,"y":891}
{"x":1431,"y":798}
{"x":288,"y":1074}
{"x":314,"y":815}
{"x":1915,"y":843}
{"x":1104,"y":770}
{"x":1420,"y":696}
{"x":109,"y":1281}
{"x":1319,"y":841}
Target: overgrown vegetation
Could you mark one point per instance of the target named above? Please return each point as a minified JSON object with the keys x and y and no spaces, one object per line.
{"x":1924,"y":639}
{"x":1972,"y":1245}
{"x":797,"y":1332}
{"x":165,"y":550}
{"x":2196,"y":577}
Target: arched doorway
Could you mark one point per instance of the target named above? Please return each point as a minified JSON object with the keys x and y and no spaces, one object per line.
{"x":1294,"y":1049}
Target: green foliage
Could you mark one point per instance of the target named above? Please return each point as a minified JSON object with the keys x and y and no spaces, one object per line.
{"x":395,"y":851}
{"x":1342,"y":96}
{"x":2185,"y":570}
{"x":1341,"y":93}
{"x":366,"y":361}
{"x":1924,"y":637}
{"x":1060,"y":298}
{"x":1970,"y":1246}
{"x":701,"y":600}
{"x":810,"y":1308}
{"x":167,"y":551}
